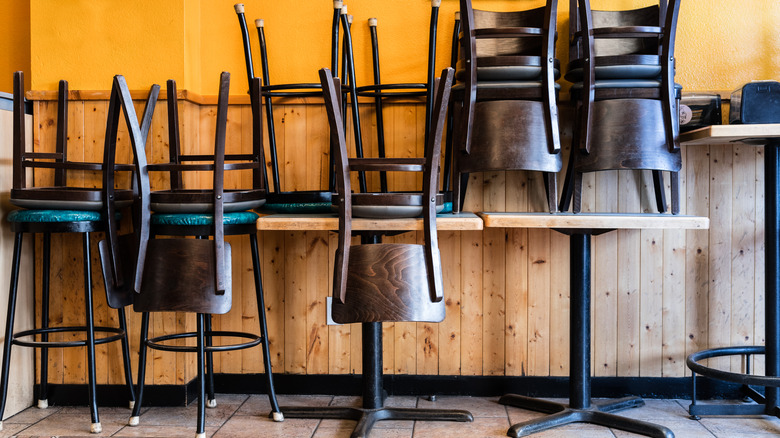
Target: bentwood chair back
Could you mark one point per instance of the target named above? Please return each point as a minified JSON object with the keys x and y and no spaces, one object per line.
{"x":505,"y":100}
{"x":626,"y":102}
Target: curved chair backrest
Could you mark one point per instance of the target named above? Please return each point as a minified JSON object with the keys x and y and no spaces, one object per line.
{"x":623,"y":63}
{"x":508,"y":69}
{"x":406,"y":284}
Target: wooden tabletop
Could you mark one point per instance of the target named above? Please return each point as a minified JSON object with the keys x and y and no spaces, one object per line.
{"x":324,"y":222}
{"x":730,"y":134}
{"x":593,"y":221}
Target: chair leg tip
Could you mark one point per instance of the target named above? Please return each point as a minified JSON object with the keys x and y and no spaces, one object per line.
{"x":43,"y":404}
{"x":131,"y":404}
{"x":277,"y":416}
{"x":1,"y":425}
{"x":96,"y":428}
{"x":134,"y":421}
{"x":212,"y":403}
{"x":200,"y":435}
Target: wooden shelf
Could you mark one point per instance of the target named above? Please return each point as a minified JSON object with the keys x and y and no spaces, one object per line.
{"x":716,"y":134}
{"x":593,"y":221}
{"x":444,"y":222}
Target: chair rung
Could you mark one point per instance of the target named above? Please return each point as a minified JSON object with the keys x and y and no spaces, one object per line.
{"x":157,"y":342}
{"x":118,"y":334}
{"x":388,"y":164}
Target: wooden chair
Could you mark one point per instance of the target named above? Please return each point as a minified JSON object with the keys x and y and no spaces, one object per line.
{"x":62,"y":208}
{"x":194,"y":275}
{"x":379,"y":282}
{"x":505,"y":98}
{"x":626,"y":101}
{"x":278,"y":199}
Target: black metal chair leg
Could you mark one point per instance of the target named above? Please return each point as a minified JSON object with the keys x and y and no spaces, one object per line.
{"x":96,"y":427}
{"x":134,"y":417}
{"x":660,"y":192}
{"x":201,"y":428}
{"x":276,"y":413}
{"x":126,"y":357}
{"x":9,"y":325}
{"x":211,"y":401}
{"x":43,"y":388}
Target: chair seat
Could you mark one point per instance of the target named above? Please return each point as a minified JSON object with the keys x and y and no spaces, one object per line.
{"x":67,"y":198}
{"x":54,"y":216}
{"x":507,"y":73}
{"x":201,"y":201}
{"x":639,"y":71}
{"x":392,"y":205}
{"x":191,"y":219}
{"x":496,"y":85}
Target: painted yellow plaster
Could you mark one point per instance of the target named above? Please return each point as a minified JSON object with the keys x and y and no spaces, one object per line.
{"x":721,"y":43}
{"x":14,"y":42}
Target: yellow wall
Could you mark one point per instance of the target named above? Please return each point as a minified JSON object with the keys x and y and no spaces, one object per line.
{"x":14,"y":42}
{"x":721,"y":43}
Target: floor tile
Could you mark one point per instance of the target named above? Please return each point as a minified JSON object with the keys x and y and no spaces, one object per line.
{"x":478,"y":406}
{"x":12,"y":429}
{"x":742,"y":426}
{"x":259,"y":405}
{"x":77,"y":423}
{"x":144,"y":430}
{"x":480,"y":427}
{"x":345,"y":432}
{"x":356,"y":402}
{"x":655,"y":409}
{"x":32,"y":415}
{"x":255,"y":426}
{"x":682,"y":428}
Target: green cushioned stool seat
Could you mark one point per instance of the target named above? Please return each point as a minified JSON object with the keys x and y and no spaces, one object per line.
{"x":54,"y":216}
{"x":236,"y":218}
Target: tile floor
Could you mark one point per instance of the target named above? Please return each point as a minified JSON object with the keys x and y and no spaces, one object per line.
{"x":245,"y":416}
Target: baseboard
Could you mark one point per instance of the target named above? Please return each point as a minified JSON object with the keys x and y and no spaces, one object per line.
{"x":479,"y":386}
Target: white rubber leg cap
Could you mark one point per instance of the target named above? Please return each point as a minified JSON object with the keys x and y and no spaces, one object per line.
{"x":96,"y":428}
{"x":1,"y":425}
{"x":131,"y":404}
{"x":134,"y":421}
{"x":43,"y":404}
{"x":277,"y":416}
{"x":211,"y":403}
{"x":200,"y":435}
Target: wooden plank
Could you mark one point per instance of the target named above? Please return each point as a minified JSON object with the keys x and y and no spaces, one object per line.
{"x":539,"y":271}
{"x":719,"y":330}
{"x":697,"y":252}
{"x":316,"y":293}
{"x":273,"y":269}
{"x":493,"y":278}
{"x":471,"y":303}
{"x":338,"y":335}
{"x":320,"y":222}
{"x":730,"y":134}
{"x":593,"y":221}
{"x":559,"y":305}
{"x":759,"y":321}
{"x":629,"y":264}
{"x":743,"y":231}
{"x":294,"y":302}
{"x":516,"y":280}
{"x":651,"y":303}
{"x":605,"y":278}
{"x":450,"y":329}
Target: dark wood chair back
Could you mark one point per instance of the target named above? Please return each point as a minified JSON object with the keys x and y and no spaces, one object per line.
{"x":622,"y":63}
{"x":387,"y":282}
{"x":506,"y":95}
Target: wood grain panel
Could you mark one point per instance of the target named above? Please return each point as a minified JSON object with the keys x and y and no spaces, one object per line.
{"x":657,"y":295}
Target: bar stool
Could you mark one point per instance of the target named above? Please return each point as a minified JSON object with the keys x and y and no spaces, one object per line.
{"x":194,"y":275}
{"x":280,"y":198}
{"x":59,"y":208}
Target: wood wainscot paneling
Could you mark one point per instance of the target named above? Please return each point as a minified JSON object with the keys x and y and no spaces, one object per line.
{"x":657,"y":295}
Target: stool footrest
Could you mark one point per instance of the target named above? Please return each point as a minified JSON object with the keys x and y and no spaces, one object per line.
{"x":118,"y":335}
{"x":157,"y":343}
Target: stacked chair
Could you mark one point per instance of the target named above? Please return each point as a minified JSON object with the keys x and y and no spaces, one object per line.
{"x":380,"y":282}
{"x":505,"y":99}
{"x":192,"y":274}
{"x":52,"y":206}
{"x":626,"y":101}
{"x":280,"y":200}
